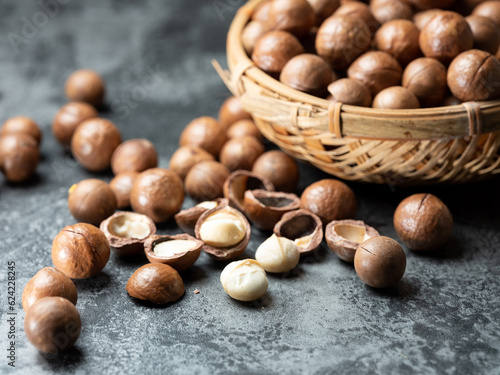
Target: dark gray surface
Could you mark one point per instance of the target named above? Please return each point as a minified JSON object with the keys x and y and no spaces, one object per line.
{"x":442,"y":318}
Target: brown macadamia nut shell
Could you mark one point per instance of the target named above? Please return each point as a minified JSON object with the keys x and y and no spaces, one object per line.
{"x":295,"y":16}
{"x":279,"y":169}
{"x":205,"y":180}
{"x":180,"y":262}
{"x":121,"y":185}
{"x":426,"y":78}
{"x":299,"y":225}
{"x":395,"y":97}
{"x":241,"y":153}
{"x":240,"y":181}
{"x":68,"y":118}
{"x":232,"y":111}
{"x":351,"y":92}
{"x":19,"y":157}
{"x":134,"y":155}
{"x":85,"y":86}
{"x":186,"y":219}
{"x":22,"y":125}
{"x":204,"y":132}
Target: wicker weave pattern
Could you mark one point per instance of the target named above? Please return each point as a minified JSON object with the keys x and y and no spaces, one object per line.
{"x":407,"y":147}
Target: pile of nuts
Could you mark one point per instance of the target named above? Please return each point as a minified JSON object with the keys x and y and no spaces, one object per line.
{"x":222,"y":164}
{"x":388,"y":54}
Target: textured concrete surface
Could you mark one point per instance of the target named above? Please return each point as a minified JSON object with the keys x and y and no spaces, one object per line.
{"x":443,"y":318}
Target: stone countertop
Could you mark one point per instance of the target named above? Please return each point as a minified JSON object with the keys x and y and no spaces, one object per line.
{"x":443,"y":317}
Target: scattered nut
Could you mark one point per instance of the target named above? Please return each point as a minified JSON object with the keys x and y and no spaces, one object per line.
{"x":244,"y":280}
{"x":68,"y":118}
{"x":204,"y":132}
{"x":486,"y":33}
{"x":243,"y":128}
{"x":85,"y":86}
{"x":241,"y":153}
{"x":180,"y":251}
{"x":344,"y":237}
{"x":80,"y":251}
{"x":349,"y":91}
{"x":395,"y":97}
{"x":251,"y":33}
{"x":22,"y":125}
{"x":240,"y":181}
{"x":388,"y":10}
{"x":52,"y":324}
{"x":295,"y":16}
{"x":323,"y":9}
{"x":380,"y":262}
{"x":423,"y":222}
{"x":265,"y":208}
{"x":127,"y":232}
{"x":134,"y":155}
{"x":121,"y":185}
{"x":278,"y":168}
{"x":232,"y":111}
{"x":186,"y":157}
{"x":91,"y":201}
{"x":186,"y":219}
{"x":48,"y":282}
{"x":205,"y":180}
{"x":278,"y":254}
{"x":156,"y":282}
{"x":422,"y":18}
{"x":303,"y":227}
{"x":19,"y":157}
{"x":426,"y":78}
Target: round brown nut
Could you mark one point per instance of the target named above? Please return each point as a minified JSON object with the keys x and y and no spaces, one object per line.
{"x":330,"y":200}
{"x":48,"y":282}
{"x":395,"y":97}
{"x":239,"y":182}
{"x":232,"y":111}
{"x":127,"y":232}
{"x":380,"y":262}
{"x":490,"y":9}
{"x":91,"y":201}
{"x":205,"y":180}
{"x":179,"y":252}
{"x":261,"y":11}
{"x":68,"y":118}
{"x":278,"y":168}
{"x":422,"y":18}
{"x":377,"y":70}
{"x":349,"y":91}
{"x":388,"y":10}
{"x":242,"y":128}
{"x":344,"y":237}
{"x":359,"y":10}
{"x":241,"y":153}
{"x":323,"y":9}
{"x":295,"y":16}
{"x":134,"y":155}
{"x":204,"y":132}
{"x":274,"y":49}
{"x":474,"y":75}
{"x":80,"y":251}
{"x":429,"y":4}
{"x":157,"y":193}
{"x":22,"y":125}
{"x":85,"y":86}
{"x":251,"y":33}
{"x":186,"y":219}
{"x":19,"y":157}
{"x":156,"y":282}
{"x":445,"y":36}
{"x":341,"y":39}
{"x":52,"y":324}
{"x":186,"y":157}
{"x":426,"y":78}
{"x":423,"y":222}
{"x":303,"y":227}
{"x":94,"y":142}
{"x":486,"y":33}
{"x":308,"y":73}
{"x":399,"y":38}
{"x":121,"y":185}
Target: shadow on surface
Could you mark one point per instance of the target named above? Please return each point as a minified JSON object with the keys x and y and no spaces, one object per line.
{"x":72,"y":356}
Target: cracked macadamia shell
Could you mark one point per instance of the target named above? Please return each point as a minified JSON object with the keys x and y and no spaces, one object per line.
{"x":186,"y":219}
{"x":180,"y":251}
{"x":278,"y":254}
{"x":91,"y":201}
{"x":380,"y":262}
{"x":156,"y":282}
{"x":80,"y":251}
{"x":48,"y":282}
{"x":423,"y":222}
{"x":303,"y":227}
{"x":127,"y":232}
{"x":344,"y":237}
{"x":426,"y":78}
{"x":134,"y":155}
{"x":239,"y":182}
{"x":244,"y":280}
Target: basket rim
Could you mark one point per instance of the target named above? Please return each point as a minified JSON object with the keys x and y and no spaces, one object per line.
{"x":466,"y":119}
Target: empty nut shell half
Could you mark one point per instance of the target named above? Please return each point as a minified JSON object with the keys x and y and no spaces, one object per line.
{"x":303,"y":227}
{"x":344,"y":237}
{"x":179,"y":251}
{"x":265,"y":208}
{"x":156,"y":282}
{"x":127,"y":232}
{"x":186,"y":219}
{"x":240,"y":181}
{"x":225,"y":232}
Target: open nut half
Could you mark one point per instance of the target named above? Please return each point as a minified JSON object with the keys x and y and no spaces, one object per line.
{"x":179,"y":251}
{"x":265,"y":208}
{"x":344,"y":237}
{"x":240,"y":181}
{"x":303,"y":227}
{"x":186,"y":219}
{"x":127,"y":231}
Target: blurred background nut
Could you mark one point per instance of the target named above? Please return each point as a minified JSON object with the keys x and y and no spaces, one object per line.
{"x":156,"y":282}
{"x":241,"y":152}
{"x":121,"y":185}
{"x":68,"y":118}
{"x":48,"y":282}
{"x":344,"y":237}
{"x":422,"y":18}
{"x":490,"y":9}
{"x":395,"y":97}
{"x":232,"y":111}
{"x":204,"y":132}
{"x":428,"y":4}
{"x":134,"y":155}
{"x":426,"y":78}
{"x":91,"y":201}
{"x":359,"y":10}
{"x":19,"y":157}
{"x":278,"y":254}
{"x":157,"y":193}
{"x":85,"y":86}
{"x":180,"y":251}
{"x":205,"y":180}
{"x":242,"y":128}
{"x":278,"y":168}
{"x":388,"y":10}
{"x":251,"y":33}
{"x":94,"y":142}
{"x":184,"y":158}
{"x":486,"y":33}
{"x":323,"y":9}
{"x":349,"y":91}
{"x":295,"y":16}
{"x":244,"y":280}
{"x":80,"y":251}
{"x":21,"y":125}
{"x":399,"y":38}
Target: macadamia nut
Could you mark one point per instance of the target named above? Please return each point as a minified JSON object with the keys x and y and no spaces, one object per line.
{"x":244,"y":280}
{"x":278,"y":254}
{"x":222,"y":229}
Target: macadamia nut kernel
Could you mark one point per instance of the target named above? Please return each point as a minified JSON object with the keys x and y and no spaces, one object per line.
{"x":278,"y":254}
{"x":174,"y":247}
{"x":244,"y":280}
{"x":222,"y":229}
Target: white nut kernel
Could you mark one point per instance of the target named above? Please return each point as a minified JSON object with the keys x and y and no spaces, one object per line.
{"x":244,"y":280}
{"x":278,"y":254}
{"x":223,"y":229}
{"x":207,"y":205}
{"x":129,"y":226}
{"x":173,"y":247}
{"x":350,"y":232}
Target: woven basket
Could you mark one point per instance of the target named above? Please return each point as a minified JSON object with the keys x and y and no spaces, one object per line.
{"x":452,"y":144}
